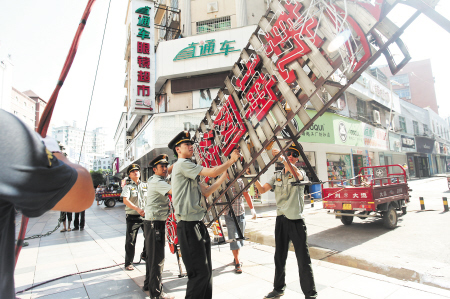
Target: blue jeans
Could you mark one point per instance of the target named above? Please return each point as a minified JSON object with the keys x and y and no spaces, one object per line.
{"x":232,"y":233}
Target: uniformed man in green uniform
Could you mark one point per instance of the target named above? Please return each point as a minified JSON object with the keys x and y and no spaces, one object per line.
{"x":156,"y":212}
{"x":193,"y":237}
{"x":134,"y":195}
{"x":290,"y":225}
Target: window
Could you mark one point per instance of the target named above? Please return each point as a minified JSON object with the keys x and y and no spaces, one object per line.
{"x":402,"y":79}
{"x":425,"y":129}
{"x":213,"y":25}
{"x":403,"y":93}
{"x":361,"y":107}
{"x":416,"y":127}
{"x":402,"y":122}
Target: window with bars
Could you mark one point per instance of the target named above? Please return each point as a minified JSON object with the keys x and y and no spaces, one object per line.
{"x":402,"y":122}
{"x":216,"y":24}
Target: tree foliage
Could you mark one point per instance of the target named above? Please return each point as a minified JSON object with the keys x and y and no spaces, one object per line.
{"x":98,"y":178}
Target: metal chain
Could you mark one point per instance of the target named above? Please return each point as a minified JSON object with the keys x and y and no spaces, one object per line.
{"x":46,"y":234}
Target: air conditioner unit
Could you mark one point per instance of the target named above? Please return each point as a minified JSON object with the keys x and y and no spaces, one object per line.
{"x":376,"y":117}
{"x":212,"y":7}
{"x":336,"y":105}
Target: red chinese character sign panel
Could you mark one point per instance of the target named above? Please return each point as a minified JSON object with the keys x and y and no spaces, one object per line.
{"x":142,"y":76}
{"x":229,"y":125}
{"x":298,"y":32}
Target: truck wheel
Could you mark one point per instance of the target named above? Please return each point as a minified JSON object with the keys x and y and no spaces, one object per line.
{"x":110,"y":202}
{"x":347,"y":220}
{"x":390,"y":218}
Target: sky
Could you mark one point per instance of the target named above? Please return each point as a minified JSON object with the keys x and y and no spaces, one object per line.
{"x":38,"y":35}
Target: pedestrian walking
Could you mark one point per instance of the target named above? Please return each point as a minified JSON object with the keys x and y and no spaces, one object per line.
{"x":78,"y":224}
{"x":134,"y":194}
{"x":239,"y":212}
{"x":289,"y":226}
{"x":35,"y":178}
{"x":157,"y":210}
{"x":193,"y":237}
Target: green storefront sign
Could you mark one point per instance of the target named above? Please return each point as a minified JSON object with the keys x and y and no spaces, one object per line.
{"x":333,"y":129}
{"x":208,"y":48}
{"x":320,"y":132}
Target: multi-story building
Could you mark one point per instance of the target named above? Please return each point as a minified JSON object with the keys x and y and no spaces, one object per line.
{"x":40,"y":105}
{"x":23,"y":107}
{"x":27,"y":106}
{"x":91,"y":148}
{"x":414,"y":83}
{"x":105,"y":163}
{"x":189,"y":70}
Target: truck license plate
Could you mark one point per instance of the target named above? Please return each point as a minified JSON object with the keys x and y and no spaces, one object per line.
{"x":347,"y":206}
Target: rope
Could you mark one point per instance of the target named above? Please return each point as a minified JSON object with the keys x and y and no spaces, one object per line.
{"x":48,"y":111}
{"x":95,"y":79}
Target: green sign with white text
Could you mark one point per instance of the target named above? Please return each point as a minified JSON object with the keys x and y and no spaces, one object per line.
{"x":208,"y":48}
{"x":333,"y":129}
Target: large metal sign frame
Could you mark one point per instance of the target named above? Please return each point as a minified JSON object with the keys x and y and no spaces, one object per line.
{"x":286,"y":64}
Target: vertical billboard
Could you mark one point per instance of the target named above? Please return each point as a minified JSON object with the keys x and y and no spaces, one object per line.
{"x":142,"y":70}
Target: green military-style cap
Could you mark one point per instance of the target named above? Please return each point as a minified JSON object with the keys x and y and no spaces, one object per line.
{"x":161,"y":159}
{"x":133,"y":167}
{"x":182,"y":137}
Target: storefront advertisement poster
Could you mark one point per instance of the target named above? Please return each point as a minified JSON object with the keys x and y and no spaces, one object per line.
{"x":395,"y":142}
{"x":374,"y":137}
{"x":408,"y":143}
{"x":348,"y":131}
{"x":424,"y":145}
{"x":321,"y":131}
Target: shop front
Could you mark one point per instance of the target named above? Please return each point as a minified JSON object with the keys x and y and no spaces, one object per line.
{"x":334,"y":161}
{"x":408,"y":145}
{"x":425,"y":166}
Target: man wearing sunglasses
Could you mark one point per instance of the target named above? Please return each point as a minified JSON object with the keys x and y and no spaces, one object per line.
{"x":289,"y":225}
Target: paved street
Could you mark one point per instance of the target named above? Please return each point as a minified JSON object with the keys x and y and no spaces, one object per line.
{"x":101,"y":244}
{"x":417,"y":250}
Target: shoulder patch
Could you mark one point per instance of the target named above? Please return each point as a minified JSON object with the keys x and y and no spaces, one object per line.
{"x":49,"y":157}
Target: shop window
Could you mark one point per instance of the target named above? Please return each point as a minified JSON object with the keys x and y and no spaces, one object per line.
{"x":416,"y":127}
{"x":402,"y":122}
{"x":339,"y":168}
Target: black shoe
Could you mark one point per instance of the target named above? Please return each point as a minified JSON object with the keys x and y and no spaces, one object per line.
{"x":82,"y":228}
{"x":274,"y":294}
{"x":76,"y":228}
{"x":143,"y":257}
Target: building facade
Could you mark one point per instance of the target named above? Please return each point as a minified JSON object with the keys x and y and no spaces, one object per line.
{"x":91,"y":148}
{"x":365,"y":127}
{"x":414,"y":83}
{"x":23,"y":107}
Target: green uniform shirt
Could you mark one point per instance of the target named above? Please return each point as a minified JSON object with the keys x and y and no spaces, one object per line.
{"x":186,"y":193}
{"x":157,"y":202}
{"x":136,"y":193}
{"x":289,"y":198}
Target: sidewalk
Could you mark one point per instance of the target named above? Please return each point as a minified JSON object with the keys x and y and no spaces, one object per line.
{"x":101,"y":244}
